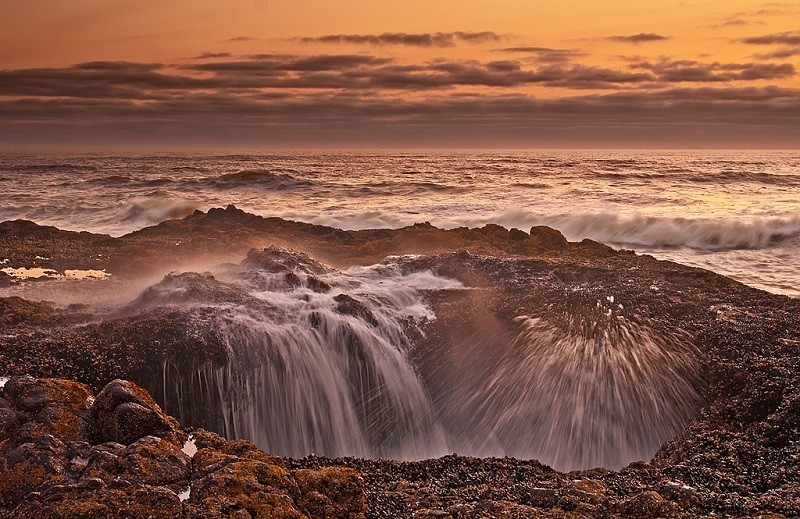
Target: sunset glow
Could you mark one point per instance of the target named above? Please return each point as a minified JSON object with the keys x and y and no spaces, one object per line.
{"x":308,"y":73}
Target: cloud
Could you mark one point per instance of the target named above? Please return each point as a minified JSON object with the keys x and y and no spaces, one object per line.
{"x":363,"y":73}
{"x":436,"y":39}
{"x":675,"y":71}
{"x":780,"y":38}
{"x":372,"y":99}
{"x":359,"y":71}
{"x":213,"y":55}
{"x":93,"y":79}
{"x":768,"y":116}
{"x":544,"y":54}
{"x":744,"y":18}
{"x":240,"y":38}
{"x":642,"y":37}
{"x":784,"y":53}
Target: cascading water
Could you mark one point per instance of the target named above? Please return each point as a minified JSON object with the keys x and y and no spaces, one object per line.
{"x":314,"y":369}
{"x":320,"y":361}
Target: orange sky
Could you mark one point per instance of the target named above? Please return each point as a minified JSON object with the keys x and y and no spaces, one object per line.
{"x":310,"y":72}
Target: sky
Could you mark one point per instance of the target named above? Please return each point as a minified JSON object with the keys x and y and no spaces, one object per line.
{"x":270,"y":74}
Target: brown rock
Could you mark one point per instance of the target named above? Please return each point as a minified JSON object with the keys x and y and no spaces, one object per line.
{"x":332,"y":492}
{"x":545,"y":239}
{"x":645,"y":505}
{"x":95,"y":500}
{"x":155,"y":461}
{"x":261,"y":489}
{"x":29,"y":466}
{"x":45,"y":406}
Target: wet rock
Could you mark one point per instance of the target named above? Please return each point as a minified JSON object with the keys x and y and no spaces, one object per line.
{"x":679,"y":492}
{"x":518,"y":235}
{"x":140,"y":468}
{"x":29,"y":466}
{"x":543,"y":497}
{"x":123,"y":412}
{"x":96,"y":500}
{"x":589,"y":491}
{"x":645,"y":505}
{"x":348,"y":305}
{"x":37,"y":407}
{"x":155,"y":461}
{"x":277,"y":259}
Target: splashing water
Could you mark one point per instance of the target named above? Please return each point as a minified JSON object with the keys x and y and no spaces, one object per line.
{"x":323,"y":371}
{"x":319,"y":361}
{"x":575,"y":401}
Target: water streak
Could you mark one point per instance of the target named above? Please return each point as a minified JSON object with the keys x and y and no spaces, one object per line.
{"x":322,"y":361}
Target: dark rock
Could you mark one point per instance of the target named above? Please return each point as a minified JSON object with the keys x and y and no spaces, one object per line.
{"x":518,"y":235}
{"x":543,"y":497}
{"x":546,"y":240}
{"x":29,"y":466}
{"x":59,"y":475}
{"x":123,"y":412}
{"x":100,"y":501}
{"x":332,"y":492}
{"x":45,"y":406}
{"x":348,"y":305}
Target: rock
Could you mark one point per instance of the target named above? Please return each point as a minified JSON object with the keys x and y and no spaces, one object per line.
{"x":140,"y":468}
{"x":123,"y":412}
{"x":157,"y":462}
{"x":29,"y":466}
{"x":546,"y":240}
{"x":45,"y":406}
{"x":348,"y":305}
{"x":681,"y":493}
{"x":543,"y":497}
{"x":518,"y":235}
{"x":589,"y":491}
{"x":100,"y":501}
{"x":225,"y":483}
{"x":333,"y":492}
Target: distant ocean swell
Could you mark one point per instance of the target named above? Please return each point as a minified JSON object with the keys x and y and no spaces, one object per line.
{"x":737,"y":213}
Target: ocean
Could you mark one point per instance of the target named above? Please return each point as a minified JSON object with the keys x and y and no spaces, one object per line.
{"x":733,"y":212}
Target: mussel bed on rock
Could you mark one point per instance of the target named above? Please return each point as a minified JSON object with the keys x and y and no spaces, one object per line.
{"x":739,"y":457}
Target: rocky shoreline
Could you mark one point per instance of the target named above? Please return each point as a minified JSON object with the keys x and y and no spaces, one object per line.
{"x":738,"y":457}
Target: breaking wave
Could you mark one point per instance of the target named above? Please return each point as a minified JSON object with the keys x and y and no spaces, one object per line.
{"x":701,"y":233}
{"x":261,"y":178}
{"x":150,"y":212}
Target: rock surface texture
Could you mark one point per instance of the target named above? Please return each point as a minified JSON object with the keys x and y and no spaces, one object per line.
{"x":65,"y":453}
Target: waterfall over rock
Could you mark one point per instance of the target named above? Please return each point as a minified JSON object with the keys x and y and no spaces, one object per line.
{"x":317,"y":360}
{"x":338,"y":363}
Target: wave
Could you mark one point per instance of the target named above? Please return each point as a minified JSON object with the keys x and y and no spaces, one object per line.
{"x":638,"y":231}
{"x":712,"y":234}
{"x":150,"y":212}
{"x":260,"y":177}
{"x":60,"y":167}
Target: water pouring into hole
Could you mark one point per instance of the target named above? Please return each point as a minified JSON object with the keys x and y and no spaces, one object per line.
{"x":349,"y":364}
